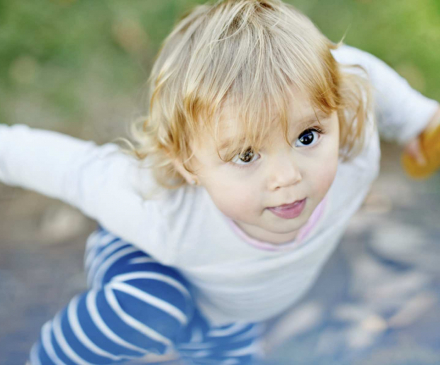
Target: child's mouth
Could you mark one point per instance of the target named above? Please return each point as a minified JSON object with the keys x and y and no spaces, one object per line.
{"x":289,"y":211}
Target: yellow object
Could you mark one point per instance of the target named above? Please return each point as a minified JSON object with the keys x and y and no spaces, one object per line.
{"x":430,"y":147}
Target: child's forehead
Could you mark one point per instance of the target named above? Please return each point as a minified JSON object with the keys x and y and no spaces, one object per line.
{"x":298,"y":110}
{"x":232,"y":130}
{"x":297,"y":102}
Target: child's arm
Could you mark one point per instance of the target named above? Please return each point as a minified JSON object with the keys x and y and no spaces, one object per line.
{"x":402,"y":112}
{"x":99,"y":180}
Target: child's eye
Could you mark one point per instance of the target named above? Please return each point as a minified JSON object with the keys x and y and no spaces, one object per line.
{"x":307,"y":138}
{"x":245,"y":158}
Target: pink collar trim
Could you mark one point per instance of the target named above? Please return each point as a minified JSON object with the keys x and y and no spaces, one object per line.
{"x":302,"y":234}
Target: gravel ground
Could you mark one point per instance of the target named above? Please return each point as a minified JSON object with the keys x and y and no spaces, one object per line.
{"x":376,"y":301}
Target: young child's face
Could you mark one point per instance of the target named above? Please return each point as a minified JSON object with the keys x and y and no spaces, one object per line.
{"x":245,"y":188}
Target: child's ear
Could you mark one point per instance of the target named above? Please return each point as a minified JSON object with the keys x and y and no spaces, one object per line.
{"x":188,"y":176}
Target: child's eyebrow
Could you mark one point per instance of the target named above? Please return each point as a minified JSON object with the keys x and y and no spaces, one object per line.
{"x":311,"y":119}
{"x":301,"y":124}
{"x":227,"y":143}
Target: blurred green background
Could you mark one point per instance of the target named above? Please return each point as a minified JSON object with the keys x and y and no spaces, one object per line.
{"x":81,"y":66}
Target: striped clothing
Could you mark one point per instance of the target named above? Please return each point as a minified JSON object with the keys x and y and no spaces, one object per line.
{"x":136,"y":307}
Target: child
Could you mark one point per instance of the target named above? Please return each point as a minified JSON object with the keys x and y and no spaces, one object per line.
{"x":259,"y":146}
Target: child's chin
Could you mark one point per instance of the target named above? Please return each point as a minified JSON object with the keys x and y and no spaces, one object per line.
{"x":286,"y":226}
{"x":291,"y":225}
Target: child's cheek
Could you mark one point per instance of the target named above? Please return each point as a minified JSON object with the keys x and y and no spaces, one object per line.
{"x":324,"y":171}
{"x":236,"y":200}
{"x":329,"y":175}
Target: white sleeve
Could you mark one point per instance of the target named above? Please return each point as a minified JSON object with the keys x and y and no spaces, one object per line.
{"x":101,"y":181}
{"x":402,"y":112}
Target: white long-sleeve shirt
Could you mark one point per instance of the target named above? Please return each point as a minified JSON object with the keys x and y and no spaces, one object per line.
{"x":236,"y":278}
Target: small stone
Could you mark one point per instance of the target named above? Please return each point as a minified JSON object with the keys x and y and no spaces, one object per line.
{"x":374,"y":323}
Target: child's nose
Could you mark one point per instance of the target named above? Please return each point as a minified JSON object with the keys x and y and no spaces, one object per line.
{"x":284,"y":171}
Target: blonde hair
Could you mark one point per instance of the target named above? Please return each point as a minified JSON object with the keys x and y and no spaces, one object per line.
{"x":247,"y":54}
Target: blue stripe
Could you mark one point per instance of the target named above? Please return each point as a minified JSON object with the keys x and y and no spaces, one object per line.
{"x":94,"y":268}
{"x":199,"y":324}
{"x":43,"y":356}
{"x":157,"y":267}
{"x":78,"y":347}
{"x":97,"y":336}
{"x":101,"y":248}
{"x":163,"y":291}
{"x":124,"y":331}
{"x":230,"y":338}
{"x":155,"y":318}
{"x":59,"y":352}
{"x":120,"y":266}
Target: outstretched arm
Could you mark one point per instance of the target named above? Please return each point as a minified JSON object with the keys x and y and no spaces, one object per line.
{"x":104,"y":183}
{"x":402,"y":112}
